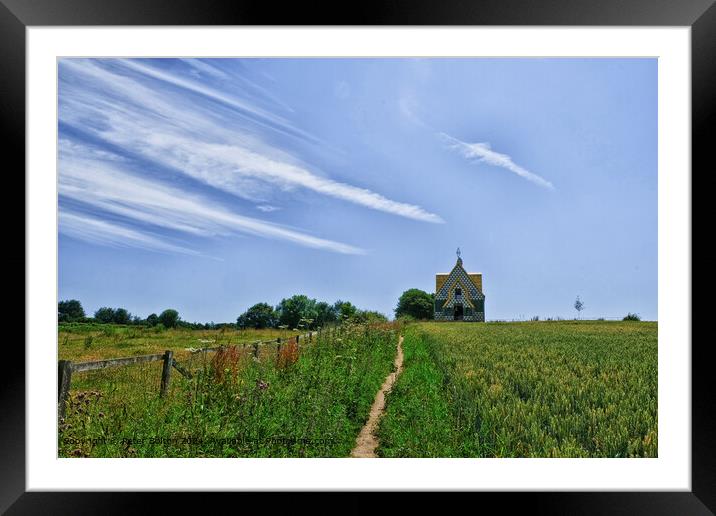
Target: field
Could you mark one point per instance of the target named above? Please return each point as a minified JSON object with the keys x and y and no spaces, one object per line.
{"x":528,"y":389}
{"x":307,"y":401}
{"x":86,"y":342}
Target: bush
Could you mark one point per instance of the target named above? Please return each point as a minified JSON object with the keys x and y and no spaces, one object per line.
{"x":345,"y":310}
{"x":368,"y":317}
{"x":416,"y":303}
{"x":631,"y":317}
{"x":122,"y":316}
{"x":104,"y":315}
{"x":70,"y":311}
{"x":261,"y":315}
{"x":169,"y":318}
{"x":295,"y":309}
{"x":326,"y":313}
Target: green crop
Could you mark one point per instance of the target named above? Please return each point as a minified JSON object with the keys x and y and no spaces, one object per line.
{"x":528,"y":389}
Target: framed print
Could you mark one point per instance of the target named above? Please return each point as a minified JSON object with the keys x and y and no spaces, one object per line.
{"x":262,"y":247}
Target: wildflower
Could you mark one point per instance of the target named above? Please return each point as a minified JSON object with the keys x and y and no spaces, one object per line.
{"x":261,"y":385}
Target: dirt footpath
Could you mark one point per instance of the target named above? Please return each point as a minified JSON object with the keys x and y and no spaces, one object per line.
{"x":367,"y":442}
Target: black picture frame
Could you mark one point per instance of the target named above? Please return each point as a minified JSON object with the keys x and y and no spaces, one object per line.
{"x":17,"y":15}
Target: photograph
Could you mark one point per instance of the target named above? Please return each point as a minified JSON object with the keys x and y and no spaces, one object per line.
{"x":263,"y":244}
{"x":357,"y":257}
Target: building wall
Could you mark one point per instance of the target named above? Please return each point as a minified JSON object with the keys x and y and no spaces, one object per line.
{"x":472,"y":288}
{"x":448,"y":316}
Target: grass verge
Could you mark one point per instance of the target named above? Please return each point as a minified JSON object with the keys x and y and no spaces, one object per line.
{"x":310,"y":403}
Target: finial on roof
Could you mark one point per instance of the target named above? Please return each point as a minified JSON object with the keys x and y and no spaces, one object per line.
{"x":459,"y":260}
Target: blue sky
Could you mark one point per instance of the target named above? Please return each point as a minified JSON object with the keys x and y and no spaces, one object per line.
{"x":208,"y":185}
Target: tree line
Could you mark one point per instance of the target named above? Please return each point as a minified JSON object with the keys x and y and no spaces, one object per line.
{"x":298,"y":311}
{"x":71,"y":310}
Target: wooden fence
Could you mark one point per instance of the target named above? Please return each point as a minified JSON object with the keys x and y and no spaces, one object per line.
{"x":65,"y":368}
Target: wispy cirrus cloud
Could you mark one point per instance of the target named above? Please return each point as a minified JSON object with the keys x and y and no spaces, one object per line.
{"x":248,"y":108}
{"x":92,"y":229}
{"x":105,"y":185}
{"x":203,"y":68}
{"x":267,"y":208}
{"x":203,"y":141}
{"x":408,"y":105}
{"x":200,"y":67}
{"x":482,"y":152}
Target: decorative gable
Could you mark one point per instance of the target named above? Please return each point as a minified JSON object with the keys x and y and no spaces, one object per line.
{"x":458,"y":295}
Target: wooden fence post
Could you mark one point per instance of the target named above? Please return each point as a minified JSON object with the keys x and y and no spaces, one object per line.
{"x":166,"y":372}
{"x":256,"y":350}
{"x":179,"y":368}
{"x":297,"y":337}
{"x":64,"y":378}
{"x":278,"y":349}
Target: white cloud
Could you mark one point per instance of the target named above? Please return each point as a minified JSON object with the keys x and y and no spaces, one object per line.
{"x":267,"y":208}
{"x":200,"y":143}
{"x":482,"y":152}
{"x":202,"y":67}
{"x":91,"y":229}
{"x":408,"y":107}
{"x":205,"y":91}
{"x":106,"y":186}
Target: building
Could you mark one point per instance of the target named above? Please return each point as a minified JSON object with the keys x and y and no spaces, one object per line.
{"x":458,"y":295}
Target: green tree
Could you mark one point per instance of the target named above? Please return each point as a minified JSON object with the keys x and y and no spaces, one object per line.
{"x":415,"y":303}
{"x":122,"y":316}
{"x":70,"y":310}
{"x":293,"y":310}
{"x":104,"y":315}
{"x":326,"y":314}
{"x":578,"y":306}
{"x":261,"y":315}
{"x":169,"y":318}
{"x":344,"y":310}
{"x":153,"y":319}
